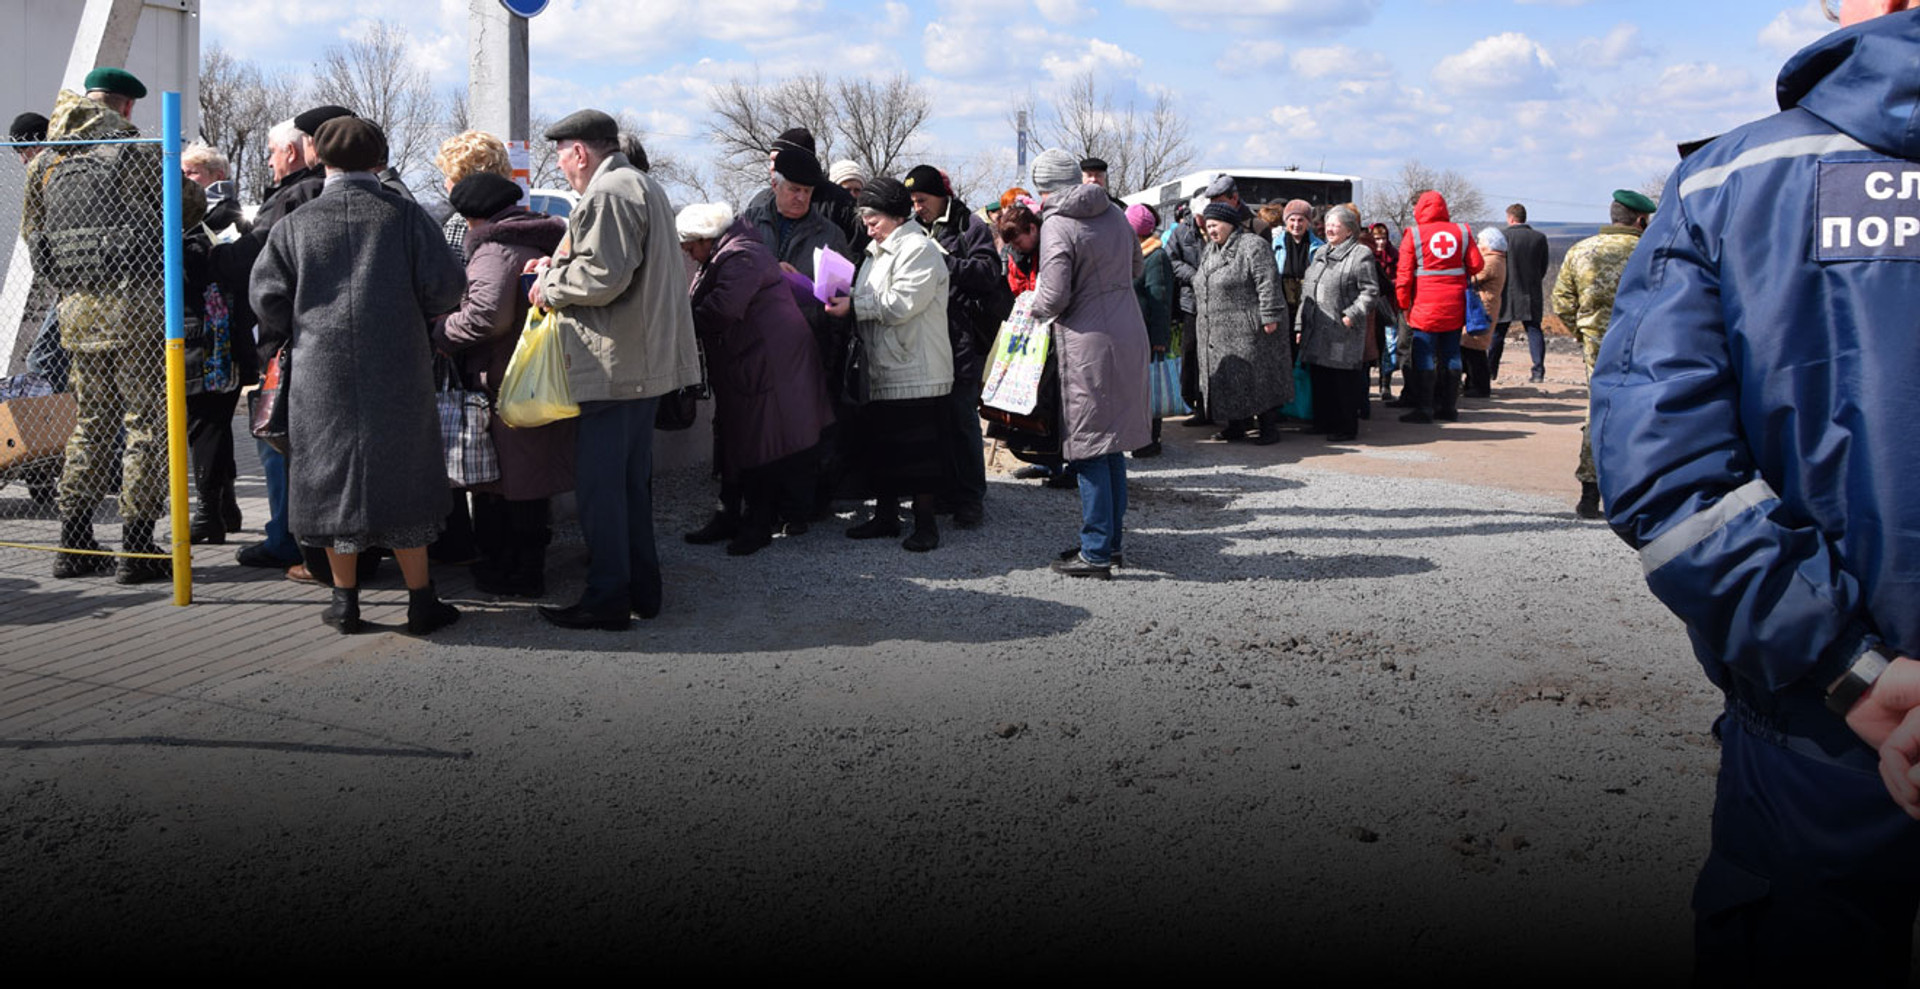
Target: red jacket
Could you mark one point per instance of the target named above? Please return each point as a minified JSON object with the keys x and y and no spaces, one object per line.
{"x":1432,"y":283}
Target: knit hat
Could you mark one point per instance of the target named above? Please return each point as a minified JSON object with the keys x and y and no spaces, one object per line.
{"x":1491,"y":239}
{"x":1222,"y":211}
{"x":1197,"y":206}
{"x":1299,"y":206}
{"x":1055,"y":170}
{"x":28,"y":127}
{"x":703,"y":221}
{"x":351,"y":144}
{"x":845,"y":169}
{"x":1140,"y":218}
{"x":119,"y":82}
{"x":795,"y":137}
{"x":308,"y":123}
{"x":928,"y":180}
{"x":482,"y":194}
{"x":797,"y":165}
{"x":887,"y":196}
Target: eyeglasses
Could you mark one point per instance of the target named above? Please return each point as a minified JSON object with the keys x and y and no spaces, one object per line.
{"x":1831,"y":8}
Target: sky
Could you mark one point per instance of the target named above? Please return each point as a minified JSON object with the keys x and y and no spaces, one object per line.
{"x":1554,"y":103}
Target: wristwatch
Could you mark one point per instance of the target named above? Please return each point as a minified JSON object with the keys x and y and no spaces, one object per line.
{"x":1845,"y":692}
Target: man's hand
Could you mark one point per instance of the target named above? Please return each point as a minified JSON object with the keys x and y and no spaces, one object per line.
{"x":789,"y":269}
{"x":840,"y":306}
{"x":1887,"y":717}
{"x":536,"y":268}
{"x":1270,"y":327}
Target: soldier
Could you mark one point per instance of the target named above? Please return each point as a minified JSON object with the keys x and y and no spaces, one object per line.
{"x":92,"y":221}
{"x":1583,"y":299}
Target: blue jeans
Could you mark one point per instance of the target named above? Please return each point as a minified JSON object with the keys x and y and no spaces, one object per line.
{"x":1103,"y":506}
{"x":280,"y":542}
{"x":1536,"y":347}
{"x":1432,"y":350}
{"x":613,"y":485}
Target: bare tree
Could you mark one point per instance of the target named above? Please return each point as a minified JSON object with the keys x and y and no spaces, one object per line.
{"x":374,"y":77}
{"x":1391,"y":202}
{"x":872,"y":122}
{"x":458,"y":113}
{"x":1142,"y":147}
{"x":238,"y":105}
{"x":878,"y":119}
{"x":1655,"y":184}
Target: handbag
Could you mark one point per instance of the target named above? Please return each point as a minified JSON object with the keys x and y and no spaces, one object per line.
{"x":1018,"y":360}
{"x":856,"y":383}
{"x":464,"y":416}
{"x":1477,"y":320}
{"x":534,"y":391}
{"x":267,"y":405}
{"x":1163,"y":387}
{"x":680,"y":409}
{"x":1302,"y":405}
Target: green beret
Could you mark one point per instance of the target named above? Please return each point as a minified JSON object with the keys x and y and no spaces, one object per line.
{"x":1634,"y":201}
{"x":119,"y":82}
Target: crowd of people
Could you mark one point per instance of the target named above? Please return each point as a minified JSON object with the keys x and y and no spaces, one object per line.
{"x":868,"y":390}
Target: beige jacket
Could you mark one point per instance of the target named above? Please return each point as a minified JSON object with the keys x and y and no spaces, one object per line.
{"x":900,"y":301}
{"x":620,"y":289}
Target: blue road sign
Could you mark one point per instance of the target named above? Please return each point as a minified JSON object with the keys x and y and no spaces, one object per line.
{"x":525,"y":8}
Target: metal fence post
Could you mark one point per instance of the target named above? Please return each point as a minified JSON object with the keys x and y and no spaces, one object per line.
{"x":175,"y":283}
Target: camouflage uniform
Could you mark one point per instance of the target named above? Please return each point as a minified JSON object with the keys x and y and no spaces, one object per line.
{"x":106,"y":257}
{"x":1583,"y":299}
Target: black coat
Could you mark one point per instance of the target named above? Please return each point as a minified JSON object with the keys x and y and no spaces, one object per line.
{"x":1526,"y":274}
{"x":977,"y":294}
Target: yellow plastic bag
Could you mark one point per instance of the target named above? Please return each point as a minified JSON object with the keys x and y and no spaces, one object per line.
{"x":534,"y":390}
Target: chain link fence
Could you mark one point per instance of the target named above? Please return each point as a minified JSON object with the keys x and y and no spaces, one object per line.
{"x":84,"y":421}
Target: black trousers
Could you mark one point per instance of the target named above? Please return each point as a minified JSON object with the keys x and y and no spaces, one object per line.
{"x":781,"y":490}
{"x":1478,"y":370}
{"x":210,"y":440}
{"x":1337,"y":393}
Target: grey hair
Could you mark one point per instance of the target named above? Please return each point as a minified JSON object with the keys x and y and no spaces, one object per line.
{"x":208,"y":156}
{"x":1346,"y":215}
{"x":283,"y":134}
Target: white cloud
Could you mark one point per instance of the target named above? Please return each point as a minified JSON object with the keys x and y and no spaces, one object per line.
{"x":1341,"y":62}
{"x":1704,"y":86}
{"x":628,"y":30}
{"x":1100,"y":58}
{"x":1502,"y":66}
{"x":1063,"y":11}
{"x":1793,"y":29}
{"x":898,"y":19}
{"x":1618,"y":46}
{"x":1243,"y":57}
{"x":1293,"y":13}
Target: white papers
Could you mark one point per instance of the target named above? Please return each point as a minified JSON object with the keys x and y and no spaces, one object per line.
{"x":832,"y":274}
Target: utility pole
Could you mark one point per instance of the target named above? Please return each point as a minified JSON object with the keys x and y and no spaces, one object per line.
{"x":497,"y":75}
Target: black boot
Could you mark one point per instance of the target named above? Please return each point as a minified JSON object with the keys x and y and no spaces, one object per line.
{"x":137,"y":537}
{"x":884,"y":523}
{"x":1589,"y":506}
{"x":1446,"y":398}
{"x":1419,"y":392}
{"x":426,"y":612}
{"x":229,"y":508}
{"x":208,"y":527}
{"x":926,"y":533}
{"x":344,"y":612}
{"x":77,"y":533}
{"x":1408,"y":399}
{"x":723,"y":525}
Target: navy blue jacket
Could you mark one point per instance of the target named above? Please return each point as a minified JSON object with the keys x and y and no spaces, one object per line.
{"x":1753,"y":399}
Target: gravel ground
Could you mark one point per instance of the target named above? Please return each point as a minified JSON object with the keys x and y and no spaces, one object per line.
{"x":1324,"y":724}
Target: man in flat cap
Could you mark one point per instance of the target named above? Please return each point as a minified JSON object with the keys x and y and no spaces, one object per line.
{"x":619,"y":288}
{"x":829,"y":198}
{"x":93,"y":223}
{"x":1223,"y":189}
{"x":1583,"y":299}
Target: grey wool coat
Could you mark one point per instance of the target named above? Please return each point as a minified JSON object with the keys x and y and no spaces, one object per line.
{"x":1088,"y":260}
{"x":349,"y":281}
{"x":1339,"y":283}
{"x":1244,"y":370}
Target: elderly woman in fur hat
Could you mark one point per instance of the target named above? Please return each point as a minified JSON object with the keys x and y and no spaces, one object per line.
{"x":769,"y":394}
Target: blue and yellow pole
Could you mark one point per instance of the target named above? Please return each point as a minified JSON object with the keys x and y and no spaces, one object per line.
{"x":176,"y":350}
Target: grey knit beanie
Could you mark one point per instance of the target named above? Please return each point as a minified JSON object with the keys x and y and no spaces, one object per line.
{"x":1055,"y":170}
